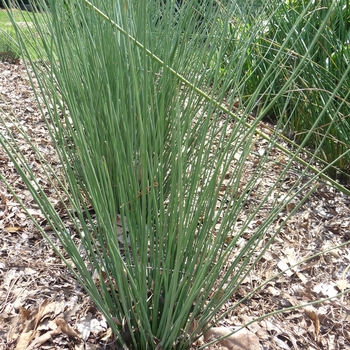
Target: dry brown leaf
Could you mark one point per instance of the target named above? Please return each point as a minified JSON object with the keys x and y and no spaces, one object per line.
{"x":24,"y":340}
{"x":311,"y":312}
{"x":290,"y":206}
{"x":108,"y":334}
{"x":44,"y":338}
{"x":241,"y":340}
{"x":13,"y":229}
{"x":24,"y":314}
{"x":47,"y":309}
{"x":41,"y":312}
{"x":66,"y":328}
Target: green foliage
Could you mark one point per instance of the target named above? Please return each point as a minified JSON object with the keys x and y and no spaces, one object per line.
{"x":141,"y":137}
{"x":8,"y":40}
{"x":9,"y":50}
{"x":313,"y":37}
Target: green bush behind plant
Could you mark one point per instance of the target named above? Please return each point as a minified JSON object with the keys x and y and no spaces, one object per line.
{"x":141,"y":134}
{"x":9,"y":50}
{"x":8,"y":40}
{"x":292,"y":29}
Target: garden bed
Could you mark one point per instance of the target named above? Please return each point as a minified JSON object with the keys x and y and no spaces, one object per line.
{"x":36,"y":286}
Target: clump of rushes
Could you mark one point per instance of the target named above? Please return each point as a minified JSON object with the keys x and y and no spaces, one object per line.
{"x":144,"y":146}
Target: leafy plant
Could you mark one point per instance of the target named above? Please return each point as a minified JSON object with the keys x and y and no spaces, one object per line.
{"x":8,"y":41}
{"x":291,"y":30}
{"x":153,"y":176}
{"x":9,"y":50}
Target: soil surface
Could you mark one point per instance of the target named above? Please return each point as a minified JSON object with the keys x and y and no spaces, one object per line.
{"x":43,"y":307}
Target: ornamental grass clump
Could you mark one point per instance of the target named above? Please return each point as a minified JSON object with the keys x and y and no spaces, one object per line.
{"x":154,"y":174}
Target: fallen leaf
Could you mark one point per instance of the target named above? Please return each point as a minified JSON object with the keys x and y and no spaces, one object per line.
{"x":66,"y":328}
{"x":241,"y":340}
{"x":13,"y":229}
{"x":24,"y":314}
{"x":311,"y":312}
{"x":44,"y":338}
{"x":44,"y":309}
{"x":24,"y":340}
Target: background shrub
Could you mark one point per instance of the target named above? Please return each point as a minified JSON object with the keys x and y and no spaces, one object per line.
{"x":292,"y":29}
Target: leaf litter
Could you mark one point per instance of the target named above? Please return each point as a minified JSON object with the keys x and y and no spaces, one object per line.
{"x":43,"y":307}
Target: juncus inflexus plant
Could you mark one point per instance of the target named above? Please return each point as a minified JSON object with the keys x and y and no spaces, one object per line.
{"x":153,"y":172}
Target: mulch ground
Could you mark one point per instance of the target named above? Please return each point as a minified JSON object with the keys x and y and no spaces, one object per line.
{"x":41,"y":305}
